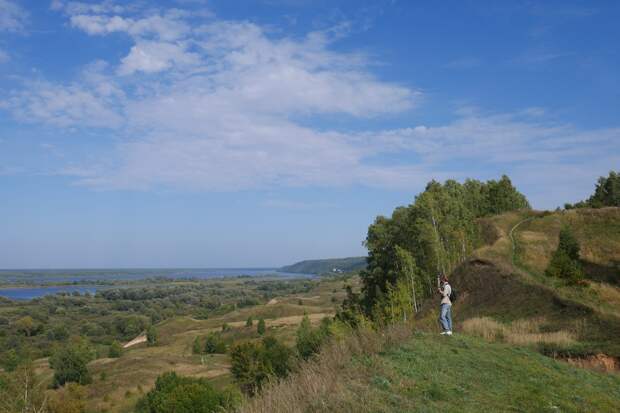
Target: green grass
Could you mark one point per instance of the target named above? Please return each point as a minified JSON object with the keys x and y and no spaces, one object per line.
{"x":432,"y":373}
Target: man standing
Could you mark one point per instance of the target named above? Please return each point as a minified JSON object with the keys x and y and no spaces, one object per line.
{"x":445,"y":315}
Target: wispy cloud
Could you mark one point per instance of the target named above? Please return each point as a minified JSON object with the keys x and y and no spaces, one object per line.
{"x":13,"y":17}
{"x":218,"y":105}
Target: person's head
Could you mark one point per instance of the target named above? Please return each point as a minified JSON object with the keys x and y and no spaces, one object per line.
{"x":444,"y":279}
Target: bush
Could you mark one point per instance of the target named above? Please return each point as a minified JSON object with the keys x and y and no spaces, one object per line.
{"x":177,"y":394}
{"x":151,"y":336}
{"x":309,"y":340}
{"x":215,"y":344}
{"x":249,"y":322}
{"x":565,"y":260}
{"x":260,"y":327}
{"x":197,"y":347}
{"x":70,"y":365}
{"x":253,"y":363}
{"x":115,"y":350}
{"x":70,"y":399}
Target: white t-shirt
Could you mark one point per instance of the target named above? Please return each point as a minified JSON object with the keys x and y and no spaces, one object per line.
{"x":446,"y":290}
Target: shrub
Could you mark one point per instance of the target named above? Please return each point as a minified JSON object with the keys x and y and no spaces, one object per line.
{"x":177,"y":394}
{"x":115,"y":349}
{"x":309,"y":340}
{"x":197,"y":347}
{"x":249,"y":322}
{"x":215,"y":344}
{"x":260,"y":327}
{"x":70,"y":399}
{"x":70,"y":365}
{"x":253,"y":363}
{"x":151,"y":336}
{"x":565,"y":260}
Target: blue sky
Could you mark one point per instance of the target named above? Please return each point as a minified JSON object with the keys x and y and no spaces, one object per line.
{"x":257,"y":133}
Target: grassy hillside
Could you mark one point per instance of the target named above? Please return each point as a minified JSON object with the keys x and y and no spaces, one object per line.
{"x":504,"y":283}
{"x":519,"y":334}
{"x":426,"y":372}
{"x":327,"y":265}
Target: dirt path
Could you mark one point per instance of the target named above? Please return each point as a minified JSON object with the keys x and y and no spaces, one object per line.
{"x":512,"y":239}
{"x":140,"y":339}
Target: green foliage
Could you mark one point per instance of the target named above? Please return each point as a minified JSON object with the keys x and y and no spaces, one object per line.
{"x":310,"y":340}
{"x":260,"y":327}
{"x":565,"y":260}
{"x":115,"y":350}
{"x":22,"y":391}
{"x":249,"y":322}
{"x":430,"y":236}
{"x":254,"y":362}
{"x":326,"y":265}
{"x":197,"y":346}
{"x":10,"y":360}
{"x":27,"y":326}
{"x":70,"y":364}
{"x":214,"y":344}
{"x":177,"y":394}
{"x":225,"y":327}
{"x":70,"y":399}
{"x":606,"y":193}
{"x":151,"y":336}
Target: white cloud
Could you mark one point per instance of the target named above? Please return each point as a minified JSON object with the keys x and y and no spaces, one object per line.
{"x":12,"y":17}
{"x":152,"y":57}
{"x":230,"y":106}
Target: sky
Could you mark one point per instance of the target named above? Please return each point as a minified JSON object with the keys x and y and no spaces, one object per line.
{"x":245,"y":133}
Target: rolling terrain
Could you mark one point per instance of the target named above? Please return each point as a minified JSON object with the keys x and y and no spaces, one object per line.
{"x":523,"y":341}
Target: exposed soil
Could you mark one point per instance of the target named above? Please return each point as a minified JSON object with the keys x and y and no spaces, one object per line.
{"x":598,"y":362}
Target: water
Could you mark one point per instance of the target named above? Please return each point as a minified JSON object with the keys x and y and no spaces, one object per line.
{"x":30,"y":293}
{"x":37,"y":282}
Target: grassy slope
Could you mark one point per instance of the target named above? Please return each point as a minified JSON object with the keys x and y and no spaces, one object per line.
{"x":136,"y":370}
{"x":492,"y":286}
{"x":425,"y":372}
{"x":465,"y":374}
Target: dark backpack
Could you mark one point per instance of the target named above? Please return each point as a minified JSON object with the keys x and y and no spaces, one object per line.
{"x":453,"y":294}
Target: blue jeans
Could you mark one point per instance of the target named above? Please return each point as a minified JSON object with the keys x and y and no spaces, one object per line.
{"x":445,"y":317}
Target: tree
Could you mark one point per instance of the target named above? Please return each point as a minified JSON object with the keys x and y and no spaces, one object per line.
{"x":431,"y":236}
{"x":151,"y":336}
{"x":26,"y":325}
{"x":115,"y":350}
{"x":22,"y":391}
{"x":564,"y":262}
{"x":606,"y":193}
{"x":568,"y":243}
{"x":260,"y":327}
{"x":70,"y":365}
{"x":249,"y":322}
{"x":10,"y":360}
{"x":177,"y":394}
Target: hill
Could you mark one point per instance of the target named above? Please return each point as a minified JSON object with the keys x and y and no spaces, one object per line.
{"x":505,"y":294}
{"x":431,"y":373}
{"x":325,"y":266}
{"x":521,"y":342}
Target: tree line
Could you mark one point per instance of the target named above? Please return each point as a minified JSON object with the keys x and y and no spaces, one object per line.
{"x":606,"y":193}
{"x":431,"y":236}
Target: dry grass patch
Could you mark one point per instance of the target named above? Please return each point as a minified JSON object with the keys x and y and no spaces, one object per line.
{"x":328,"y":382}
{"x":520,"y":332}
